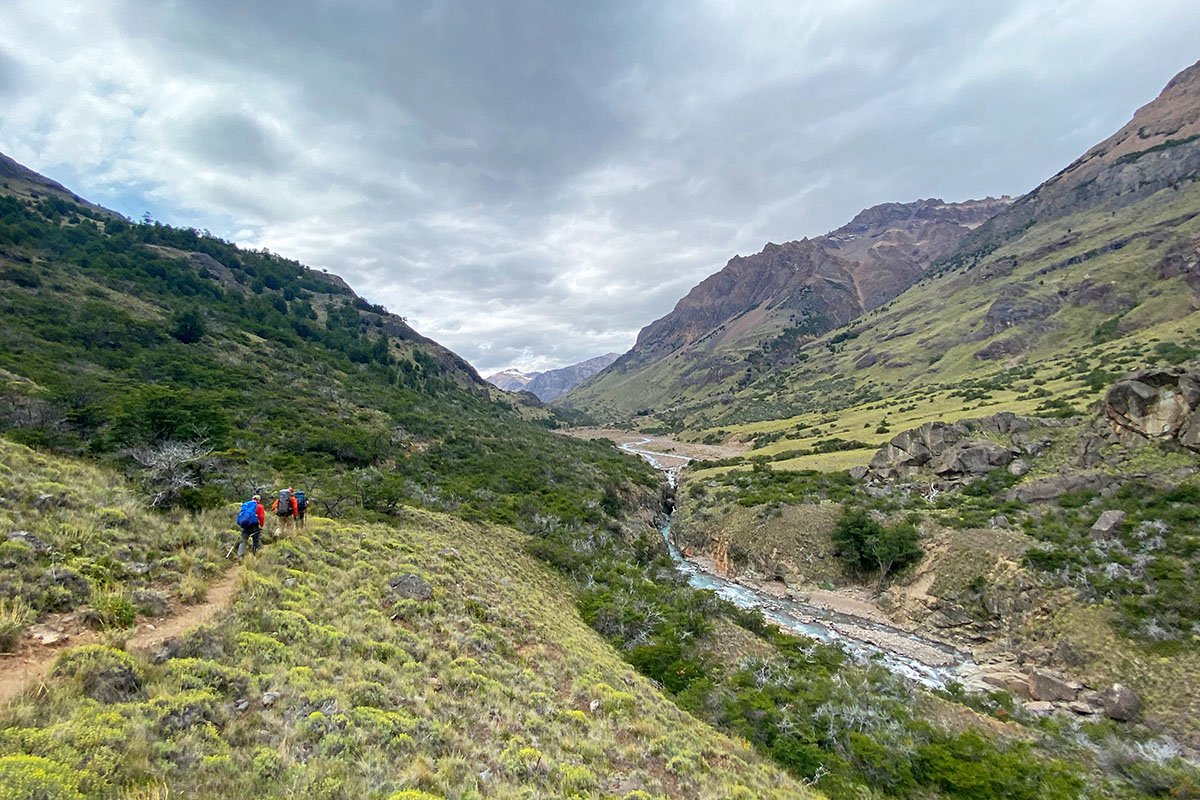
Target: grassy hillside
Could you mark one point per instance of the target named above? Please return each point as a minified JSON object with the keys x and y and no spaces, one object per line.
{"x":489,"y":686}
{"x":437,"y":657}
{"x":212,"y":371}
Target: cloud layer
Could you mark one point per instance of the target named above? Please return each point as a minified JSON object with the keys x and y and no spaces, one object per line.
{"x":531,"y":182}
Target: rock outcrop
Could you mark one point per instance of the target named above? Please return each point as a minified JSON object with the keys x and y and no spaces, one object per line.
{"x":952,"y":450}
{"x":1158,"y":403}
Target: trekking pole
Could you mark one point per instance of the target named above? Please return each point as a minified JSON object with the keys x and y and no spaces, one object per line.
{"x":229,"y":552}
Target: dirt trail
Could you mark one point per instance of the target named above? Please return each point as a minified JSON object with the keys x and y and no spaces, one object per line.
{"x":33,"y":659}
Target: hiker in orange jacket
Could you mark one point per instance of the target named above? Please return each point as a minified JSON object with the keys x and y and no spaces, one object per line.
{"x":285,"y":507}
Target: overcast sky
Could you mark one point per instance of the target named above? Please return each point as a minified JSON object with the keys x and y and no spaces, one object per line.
{"x":530,"y":183}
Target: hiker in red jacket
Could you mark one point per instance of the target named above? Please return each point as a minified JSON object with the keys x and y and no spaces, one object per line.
{"x":284,"y":507}
{"x":251,"y":519}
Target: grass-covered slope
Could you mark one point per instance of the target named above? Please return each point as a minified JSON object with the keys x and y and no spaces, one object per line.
{"x":325,"y":682}
{"x":436,"y":656}
{"x":212,"y":371}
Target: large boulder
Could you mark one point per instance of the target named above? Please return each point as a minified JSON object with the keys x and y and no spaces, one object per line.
{"x":1120,"y":703}
{"x":915,"y":447}
{"x":411,"y":586}
{"x":1108,"y":523}
{"x":1057,"y":485}
{"x":1158,"y":403}
{"x":972,"y":458}
{"x":1047,"y":686}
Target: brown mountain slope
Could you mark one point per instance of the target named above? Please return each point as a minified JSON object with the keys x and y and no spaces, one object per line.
{"x":1156,"y":150}
{"x":810,"y":286}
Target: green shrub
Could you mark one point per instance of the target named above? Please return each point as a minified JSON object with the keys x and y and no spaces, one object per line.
{"x":113,"y":610}
{"x":34,"y":778}
{"x":101,"y":673}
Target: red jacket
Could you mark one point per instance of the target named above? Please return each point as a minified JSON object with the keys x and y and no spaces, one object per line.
{"x":262,"y":514}
{"x":294,"y":511}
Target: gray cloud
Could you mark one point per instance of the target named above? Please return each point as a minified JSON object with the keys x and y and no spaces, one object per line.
{"x":531,"y":182}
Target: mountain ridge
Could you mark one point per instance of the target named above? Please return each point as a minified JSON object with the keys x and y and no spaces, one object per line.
{"x":552,"y":383}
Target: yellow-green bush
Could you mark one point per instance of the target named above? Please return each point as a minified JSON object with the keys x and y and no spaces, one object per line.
{"x":35,"y":778}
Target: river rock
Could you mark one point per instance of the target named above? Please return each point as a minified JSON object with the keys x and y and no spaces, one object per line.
{"x":1108,"y":524}
{"x":1120,"y":703}
{"x":1047,"y":686}
{"x":1012,"y":682}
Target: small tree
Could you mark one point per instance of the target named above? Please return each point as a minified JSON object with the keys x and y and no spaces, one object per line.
{"x":172,"y":468}
{"x":189,"y":326}
{"x":866,"y":545}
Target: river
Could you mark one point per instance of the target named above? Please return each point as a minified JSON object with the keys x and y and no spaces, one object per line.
{"x":933,"y":664}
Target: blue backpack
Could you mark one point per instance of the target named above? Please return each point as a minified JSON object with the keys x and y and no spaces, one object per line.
{"x":249,"y":513}
{"x":301,"y":500}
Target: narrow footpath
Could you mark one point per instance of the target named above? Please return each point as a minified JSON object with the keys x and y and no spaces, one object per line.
{"x":33,"y":659}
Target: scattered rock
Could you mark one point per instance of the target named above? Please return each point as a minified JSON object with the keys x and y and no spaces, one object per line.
{"x":449,"y":552}
{"x":999,"y":521}
{"x":137,"y":568}
{"x":866,"y":360}
{"x":411,"y":586}
{"x":1088,"y":452}
{"x":1012,"y":682}
{"x":269,"y":699}
{"x":1040,"y":707}
{"x":1120,"y":703}
{"x":242,"y":704}
{"x":45,"y":634}
{"x":1108,"y":523}
{"x":1082,"y":708}
{"x":858,"y":473}
{"x":594,"y":706}
{"x":1019,"y":467}
{"x":1045,"y":685}
{"x":151,"y":602}
{"x":38,"y":546}
{"x":1067,"y":653}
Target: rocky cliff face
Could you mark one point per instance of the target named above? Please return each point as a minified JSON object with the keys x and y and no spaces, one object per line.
{"x":817,"y":284}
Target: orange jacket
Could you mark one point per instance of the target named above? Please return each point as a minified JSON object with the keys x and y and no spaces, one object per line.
{"x":289,"y":513}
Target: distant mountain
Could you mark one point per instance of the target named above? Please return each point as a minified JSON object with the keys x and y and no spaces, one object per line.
{"x":510,"y":380}
{"x":797,"y":290}
{"x":552,"y":383}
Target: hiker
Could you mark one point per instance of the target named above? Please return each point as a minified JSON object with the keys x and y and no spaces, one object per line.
{"x":251,"y":518}
{"x":284,"y":506}
{"x":301,"y":506}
